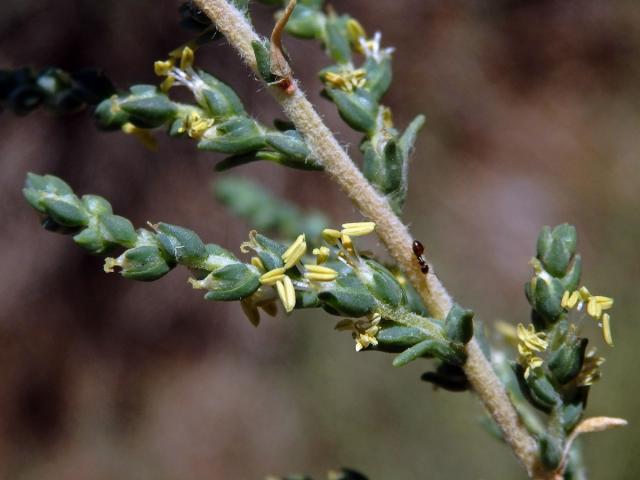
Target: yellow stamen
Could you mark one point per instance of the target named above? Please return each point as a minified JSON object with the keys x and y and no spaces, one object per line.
{"x":319,"y":273}
{"x":606,"y":329}
{"x":272,"y":276}
{"x":358,"y":229}
{"x":256,"y":262}
{"x":346,"y":242}
{"x":162,"y":67}
{"x":355,"y":31}
{"x":322,"y":254}
{"x":186,"y":58}
{"x":593,"y":308}
{"x":330,"y":235}
{"x":144,"y":136}
{"x":565,"y":299}
{"x":605,"y":302}
{"x":530,"y":339}
{"x":295,"y":252}
{"x":287,"y":293}
{"x":196,"y":126}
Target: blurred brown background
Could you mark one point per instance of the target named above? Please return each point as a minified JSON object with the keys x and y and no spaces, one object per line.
{"x":533,"y":112}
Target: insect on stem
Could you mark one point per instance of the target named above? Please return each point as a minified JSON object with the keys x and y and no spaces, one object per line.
{"x":418,"y":250}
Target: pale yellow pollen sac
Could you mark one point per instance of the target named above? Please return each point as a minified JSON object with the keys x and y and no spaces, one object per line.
{"x":295,"y":252}
{"x":287,"y":293}
{"x":162,"y":67}
{"x":322,"y":254}
{"x":356,"y":31}
{"x":272,"y":276}
{"x":198,"y":284}
{"x":507,"y":330}
{"x":144,"y":136}
{"x":331,"y":236}
{"x":358,"y":229}
{"x":532,"y":364}
{"x":530,"y":339}
{"x":347,"y":80}
{"x":363,"y":331}
{"x":605,"y":302}
{"x":570,"y":299}
{"x":606,"y":329}
{"x":196,"y":126}
{"x":166,"y":84}
{"x":593,"y":308}
{"x":584,"y":294}
{"x":319,"y":273}
{"x":346,"y":242}
{"x":186,"y":58}
{"x":256,"y":262}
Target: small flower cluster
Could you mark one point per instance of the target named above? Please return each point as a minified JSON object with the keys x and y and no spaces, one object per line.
{"x":596,"y":306}
{"x":364,"y":331}
{"x":530,"y":343}
{"x":311,"y":273}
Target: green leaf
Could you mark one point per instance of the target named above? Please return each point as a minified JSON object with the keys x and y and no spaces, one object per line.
{"x":348,"y":297}
{"x":219,"y":99}
{"x":378,"y":76}
{"x":67,"y":211}
{"x":566,"y":362}
{"x":358,"y":109}
{"x":233,"y":282}
{"x":118,"y":230}
{"x":181,"y":244}
{"x":145,"y":264}
{"x":237,"y":135}
{"x":458,"y":324}
{"x":149,"y":112}
{"x":336,"y":39}
{"x":382,"y":284}
{"x":263,"y":59}
{"x":306,"y":22}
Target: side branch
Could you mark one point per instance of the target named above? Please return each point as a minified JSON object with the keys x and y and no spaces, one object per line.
{"x":392,"y":232}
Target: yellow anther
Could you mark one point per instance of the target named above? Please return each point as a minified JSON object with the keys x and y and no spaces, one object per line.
{"x":565,"y":299}
{"x":322,"y":254}
{"x":196,"y":125}
{"x":186,"y":58}
{"x":346,"y":242}
{"x":532,"y":364}
{"x":358,"y":229}
{"x":355,"y":31}
{"x":507,"y":330}
{"x":272,"y":276}
{"x":584,"y":294}
{"x":330,"y":235}
{"x":256,"y":262}
{"x":162,"y":67}
{"x":167,"y":83}
{"x":347,"y":80}
{"x":144,"y":136}
{"x":295,"y":252}
{"x":318,"y":273}
{"x":287,"y":293}
{"x":593,"y":308}
{"x":530,"y":339}
{"x":605,"y":302}
{"x":606,"y":329}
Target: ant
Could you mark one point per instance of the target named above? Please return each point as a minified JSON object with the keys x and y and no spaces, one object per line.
{"x":418,"y":250}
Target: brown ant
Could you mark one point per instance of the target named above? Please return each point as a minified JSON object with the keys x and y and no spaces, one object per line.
{"x":418,"y":250}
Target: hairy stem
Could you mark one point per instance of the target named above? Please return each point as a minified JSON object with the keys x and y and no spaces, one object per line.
{"x":393,"y":233}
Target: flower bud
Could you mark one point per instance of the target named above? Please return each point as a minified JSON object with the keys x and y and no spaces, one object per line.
{"x":181,"y":244}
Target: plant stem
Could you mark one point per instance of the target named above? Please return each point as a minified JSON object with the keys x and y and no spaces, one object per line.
{"x":393,"y":233}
